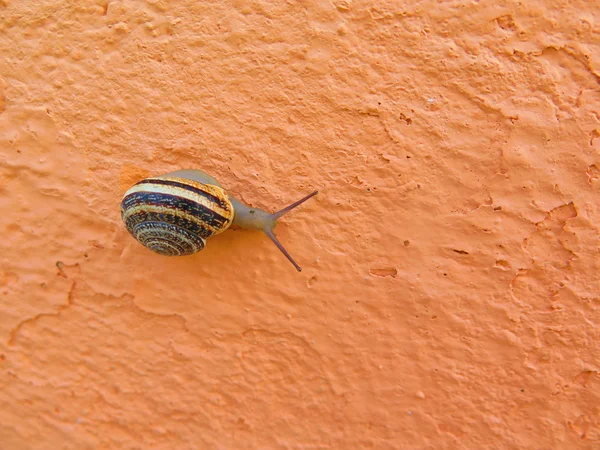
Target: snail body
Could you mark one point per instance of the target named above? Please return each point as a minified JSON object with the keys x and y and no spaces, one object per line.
{"x":174,"y":214}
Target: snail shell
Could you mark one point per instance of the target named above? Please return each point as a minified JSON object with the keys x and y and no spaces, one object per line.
{"x":174,"y":216}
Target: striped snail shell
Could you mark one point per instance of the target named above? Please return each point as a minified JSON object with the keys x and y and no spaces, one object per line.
{"x":174,"y":214}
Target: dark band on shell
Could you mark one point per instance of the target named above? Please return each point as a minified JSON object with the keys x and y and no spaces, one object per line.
{"x":170,"y":182}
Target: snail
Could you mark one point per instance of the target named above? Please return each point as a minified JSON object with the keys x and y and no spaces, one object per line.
{"x":174,"y":214}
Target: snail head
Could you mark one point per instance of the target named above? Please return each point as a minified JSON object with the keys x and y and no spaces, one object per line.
{"x":259,"y":219}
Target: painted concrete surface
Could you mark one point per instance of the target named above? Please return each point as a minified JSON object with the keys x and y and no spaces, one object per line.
{"x":450,"y":291}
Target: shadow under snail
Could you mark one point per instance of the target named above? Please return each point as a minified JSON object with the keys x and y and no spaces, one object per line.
{"x":174,"y":214}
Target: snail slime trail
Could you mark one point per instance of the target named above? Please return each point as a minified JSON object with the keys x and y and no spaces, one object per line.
{"x":174,"y":214}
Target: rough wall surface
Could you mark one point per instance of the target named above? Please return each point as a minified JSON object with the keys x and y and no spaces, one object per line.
{"x":450,"y":292}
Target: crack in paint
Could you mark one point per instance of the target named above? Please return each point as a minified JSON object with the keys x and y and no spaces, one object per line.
{"x":13,"y":334}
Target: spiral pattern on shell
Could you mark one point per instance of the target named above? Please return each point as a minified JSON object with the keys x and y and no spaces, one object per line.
{"x":174,"y":216}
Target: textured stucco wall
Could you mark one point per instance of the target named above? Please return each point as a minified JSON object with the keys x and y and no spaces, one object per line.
{"x":450,"y":292}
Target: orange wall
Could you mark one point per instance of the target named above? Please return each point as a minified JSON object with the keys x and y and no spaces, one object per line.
{"x":450,"y":291}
